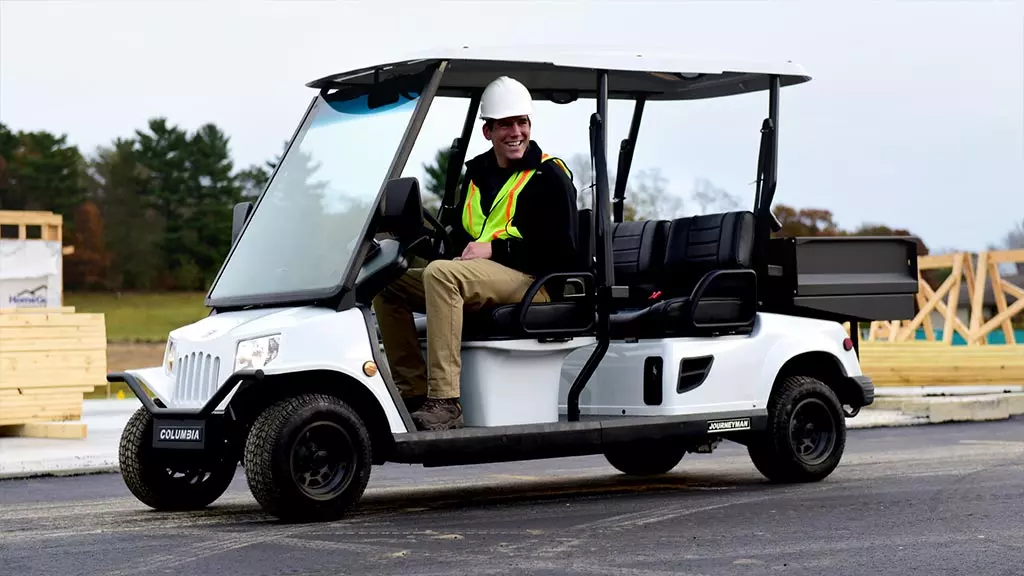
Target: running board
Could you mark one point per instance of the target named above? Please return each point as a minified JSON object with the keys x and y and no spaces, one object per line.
{"x":481,"y":445}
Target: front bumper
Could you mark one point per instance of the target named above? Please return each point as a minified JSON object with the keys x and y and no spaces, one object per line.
{"x":186,"y":429}
{"x":203,"y":411}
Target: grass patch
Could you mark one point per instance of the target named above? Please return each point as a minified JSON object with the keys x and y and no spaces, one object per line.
{"x":141,"y":317}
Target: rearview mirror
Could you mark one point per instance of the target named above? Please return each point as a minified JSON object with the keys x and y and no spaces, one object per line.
{"x":238,"y":218}
{"x":401,"y":211}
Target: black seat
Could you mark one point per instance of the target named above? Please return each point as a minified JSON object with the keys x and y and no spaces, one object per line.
{"x":638,"y":254}
{"x":698,"y":281}
{"x":571,"y":310}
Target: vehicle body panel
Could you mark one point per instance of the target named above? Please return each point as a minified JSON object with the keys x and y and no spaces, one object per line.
{"x":742,"y":371}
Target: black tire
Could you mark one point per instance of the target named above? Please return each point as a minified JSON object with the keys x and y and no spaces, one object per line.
{"x":279,"y":458}
{"x":162,"y":485}
{"x":806,"y":433}
{"x":645,"y":459}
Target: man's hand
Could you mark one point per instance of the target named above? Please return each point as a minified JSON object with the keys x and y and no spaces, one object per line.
{"x":476,"y":250}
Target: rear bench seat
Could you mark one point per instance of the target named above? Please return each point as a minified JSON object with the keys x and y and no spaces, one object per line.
{"x":686,"y":277}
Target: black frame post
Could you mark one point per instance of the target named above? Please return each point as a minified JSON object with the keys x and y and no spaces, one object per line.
{"x":602,"y":232}
{"x":626,"y":149}
{"x":767,"y":180}
{"x":458,"y":157}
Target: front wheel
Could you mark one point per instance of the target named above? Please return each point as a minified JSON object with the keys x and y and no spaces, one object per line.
{"x":163,"y":484}
{"x":806,"y":433}
{"x":308,"y":458}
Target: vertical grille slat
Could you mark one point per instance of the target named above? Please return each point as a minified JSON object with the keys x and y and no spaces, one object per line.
{"x":195,"y":384}
{"x":208,"y":377}
{"x":196,"y":378}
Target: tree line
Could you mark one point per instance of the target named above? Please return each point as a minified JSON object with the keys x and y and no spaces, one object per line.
{"x":147,"y":212}
{"x":152,"y":211}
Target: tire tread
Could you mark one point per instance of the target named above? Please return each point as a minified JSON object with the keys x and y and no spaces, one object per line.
{"x":141,"y":473}
{"x":260,"y":465}
{"x":771,"y":454}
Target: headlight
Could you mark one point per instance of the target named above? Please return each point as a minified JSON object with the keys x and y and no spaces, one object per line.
{"x":257,"y":353}
{"x":169,"y":355}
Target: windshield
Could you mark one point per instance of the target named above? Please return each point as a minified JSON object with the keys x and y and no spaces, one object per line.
{"x":304,"y":230}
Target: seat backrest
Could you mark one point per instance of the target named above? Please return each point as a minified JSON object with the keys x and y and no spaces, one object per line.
{"x":696,"y":245}
{"x":638,"y":252}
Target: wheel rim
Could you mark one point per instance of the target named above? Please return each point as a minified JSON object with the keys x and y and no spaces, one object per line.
{"x":192,"y":476}
{"x":812,"y":431}
{"x":322,"y":460}
{"x":189,"y":477}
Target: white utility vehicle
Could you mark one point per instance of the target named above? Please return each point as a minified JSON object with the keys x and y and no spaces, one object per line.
{"x":676,"y":334}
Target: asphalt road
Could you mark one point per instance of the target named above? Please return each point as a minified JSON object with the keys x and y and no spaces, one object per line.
{"x":945,"y":499}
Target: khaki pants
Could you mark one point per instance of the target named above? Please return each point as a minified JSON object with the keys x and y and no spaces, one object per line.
{"x":442,"y":290}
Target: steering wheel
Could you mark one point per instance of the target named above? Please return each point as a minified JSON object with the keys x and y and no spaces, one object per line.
{"x":439,"y":233}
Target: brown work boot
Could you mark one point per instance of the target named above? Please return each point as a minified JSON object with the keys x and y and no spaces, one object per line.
{"x":439,"y":414}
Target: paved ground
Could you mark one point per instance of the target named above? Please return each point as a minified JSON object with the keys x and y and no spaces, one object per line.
{"x":913,"y":500}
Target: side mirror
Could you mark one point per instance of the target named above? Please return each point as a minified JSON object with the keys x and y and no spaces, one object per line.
{"x":238,"y":218}
{"x":401,"y":210}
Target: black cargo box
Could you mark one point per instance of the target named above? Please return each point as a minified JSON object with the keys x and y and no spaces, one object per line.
{"x":842,"y":278}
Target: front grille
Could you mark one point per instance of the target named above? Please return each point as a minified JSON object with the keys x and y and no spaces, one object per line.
{"x":196,"y":378}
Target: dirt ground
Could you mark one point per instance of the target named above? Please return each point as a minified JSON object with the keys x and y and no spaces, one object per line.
{"x":122,"y":356}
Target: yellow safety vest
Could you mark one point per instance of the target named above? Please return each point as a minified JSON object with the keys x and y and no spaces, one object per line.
{"x":498,"y":223}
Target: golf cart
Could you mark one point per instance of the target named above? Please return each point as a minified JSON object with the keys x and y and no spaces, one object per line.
{"x":671,"y":336}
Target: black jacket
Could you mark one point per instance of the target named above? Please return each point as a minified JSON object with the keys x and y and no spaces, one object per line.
{"x":546,"y":214}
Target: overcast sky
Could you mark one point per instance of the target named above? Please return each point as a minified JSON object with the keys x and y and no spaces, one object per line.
{"x":918,"y":105}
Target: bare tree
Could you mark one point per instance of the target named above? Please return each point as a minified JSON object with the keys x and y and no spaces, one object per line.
{"x":647,"y":194}
{"x":1014,"y":239}
{"x":712,"y":199}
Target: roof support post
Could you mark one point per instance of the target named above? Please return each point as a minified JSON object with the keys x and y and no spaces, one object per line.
{"x":626,"y":149}
{"x":767,"y":179}
{"x":602,"y":232}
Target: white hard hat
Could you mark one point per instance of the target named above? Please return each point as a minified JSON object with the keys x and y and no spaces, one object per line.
{"x":505,"y":97}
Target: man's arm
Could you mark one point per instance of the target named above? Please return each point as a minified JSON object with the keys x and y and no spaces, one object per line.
{"x":548,"y":222}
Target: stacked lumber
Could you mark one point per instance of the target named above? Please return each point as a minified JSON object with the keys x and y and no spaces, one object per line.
{"x":923,"y":363}
{"x":49,"y":359}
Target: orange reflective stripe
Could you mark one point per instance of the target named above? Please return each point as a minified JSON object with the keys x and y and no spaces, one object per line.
{"x":469,"y":210}
{"x":523,"y":178}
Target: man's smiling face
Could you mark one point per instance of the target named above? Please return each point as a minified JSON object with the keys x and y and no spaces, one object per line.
{"x":509,"y":137}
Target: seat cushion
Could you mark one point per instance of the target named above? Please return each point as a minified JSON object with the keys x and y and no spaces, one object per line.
{"x":502,"y":322}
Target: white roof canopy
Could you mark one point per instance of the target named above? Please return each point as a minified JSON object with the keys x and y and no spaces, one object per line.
{"x":550,"y":71}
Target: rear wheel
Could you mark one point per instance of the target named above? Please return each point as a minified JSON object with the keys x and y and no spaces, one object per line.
{"x":806,"y":432}
{"x":308,"y":458}
{"x":163,"y":484}
{"x":645,"y":460}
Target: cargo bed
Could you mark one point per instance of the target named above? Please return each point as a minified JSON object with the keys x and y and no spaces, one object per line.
{"x":842,"y":278}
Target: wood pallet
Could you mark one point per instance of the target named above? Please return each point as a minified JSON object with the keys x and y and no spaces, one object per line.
{"x":49,"y":359}
{"x":922,"y":363}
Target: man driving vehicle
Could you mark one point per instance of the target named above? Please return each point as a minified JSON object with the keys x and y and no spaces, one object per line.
{"x":517,"y":220}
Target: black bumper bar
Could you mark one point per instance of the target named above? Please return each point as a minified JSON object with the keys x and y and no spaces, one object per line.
{"x":204,"y":411}
{"x":866,"y":388}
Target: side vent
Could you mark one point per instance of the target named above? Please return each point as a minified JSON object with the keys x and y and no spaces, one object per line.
{"x":653,"y":368}
{"x":693,"y":372}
